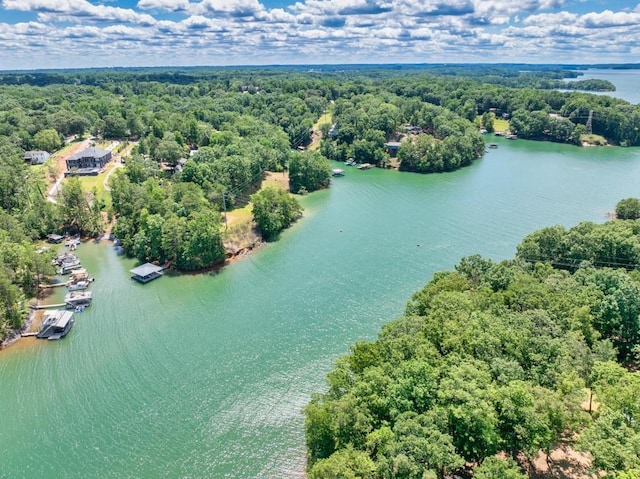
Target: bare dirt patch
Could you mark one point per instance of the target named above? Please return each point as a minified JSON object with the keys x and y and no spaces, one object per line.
{"x":241,"y":235}
{"x":280,"y":179}
{"x":564,"y":462}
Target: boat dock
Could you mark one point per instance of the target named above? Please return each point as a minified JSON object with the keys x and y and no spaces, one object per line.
{"x":55,"y":285}
{"x":47,"y":306}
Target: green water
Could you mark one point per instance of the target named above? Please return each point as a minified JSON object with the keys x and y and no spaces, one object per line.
{"x":206,"y":375}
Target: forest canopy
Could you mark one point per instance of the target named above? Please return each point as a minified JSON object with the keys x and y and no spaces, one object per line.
{"x":493,"y":364}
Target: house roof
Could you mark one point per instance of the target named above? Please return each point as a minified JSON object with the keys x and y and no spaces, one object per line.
{"x":145,"y":270}
{"x":92,"y":152}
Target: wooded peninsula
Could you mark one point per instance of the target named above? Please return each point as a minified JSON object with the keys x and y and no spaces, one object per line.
{"x":491,"y":364}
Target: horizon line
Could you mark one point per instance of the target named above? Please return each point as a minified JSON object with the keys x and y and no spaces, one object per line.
{"x":608,"y":65}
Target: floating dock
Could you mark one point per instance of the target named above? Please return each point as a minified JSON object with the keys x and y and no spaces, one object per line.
{"x":47,"y":306}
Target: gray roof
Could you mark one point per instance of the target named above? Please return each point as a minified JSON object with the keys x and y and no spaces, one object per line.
{"x":63,"y":319}
{"x":58,"y":317}
{"x":146,"y":269}
{"x":92,"y":152}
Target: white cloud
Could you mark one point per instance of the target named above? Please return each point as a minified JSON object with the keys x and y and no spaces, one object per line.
{"x":233,"y":8}
{"x":610,"y":19}
{"x":316,"y":31}
{"x":80,"y":10}
{"x":167,"y":5}
{"x":545,"y":19}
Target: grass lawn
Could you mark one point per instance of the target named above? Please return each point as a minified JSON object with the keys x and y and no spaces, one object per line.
{"x":323,"y":120}
{"x":500,"y":124}
{"x":90,"y":182}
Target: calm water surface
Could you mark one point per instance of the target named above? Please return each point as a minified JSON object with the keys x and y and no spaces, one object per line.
{"x":626,"y":82}
{"x":206,"y":375}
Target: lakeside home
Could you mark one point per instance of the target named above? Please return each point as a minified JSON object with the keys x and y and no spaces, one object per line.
{"x":88,"y":162}
{"x":36,"y":157}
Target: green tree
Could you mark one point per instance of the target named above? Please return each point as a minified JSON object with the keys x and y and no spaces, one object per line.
{"x":344,"y":464}
{"x":204,"y":246}
{"x":628,"y":209}
{"x":308,"y":171}
{"x":114,"y":126}
{"x":47,"y":140}
{"x":169,"y":151}
{"x":76,"y":207}
{"x":274,"y":210}
{"x":496,"y":468}
{"x":488,"y":120}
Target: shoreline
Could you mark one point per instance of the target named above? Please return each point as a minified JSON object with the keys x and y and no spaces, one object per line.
{"x":33,"y":319}
{"x":235,"y":251}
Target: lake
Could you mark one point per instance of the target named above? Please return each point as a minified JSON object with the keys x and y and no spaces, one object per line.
{"x":626,"y":82}
{"x":206,"y":375}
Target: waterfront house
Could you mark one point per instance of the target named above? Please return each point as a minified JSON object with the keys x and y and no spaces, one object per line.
{"x":36,"y":157}
{"x":88,"y":162}
{"x":393,"y":147}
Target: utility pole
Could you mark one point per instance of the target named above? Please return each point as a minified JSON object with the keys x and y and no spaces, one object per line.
{"x":224,"y":205}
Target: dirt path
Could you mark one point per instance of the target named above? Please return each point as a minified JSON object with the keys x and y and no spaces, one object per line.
{"x":316,"y":136}
{"x":116,"y":165}
{"x":60,"y":164}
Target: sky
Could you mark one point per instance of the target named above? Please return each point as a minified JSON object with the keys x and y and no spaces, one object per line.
{"x":38,"y":34}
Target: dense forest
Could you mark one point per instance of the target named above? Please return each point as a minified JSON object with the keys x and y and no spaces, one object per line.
{"x":493,"y":364}
{"x":205,"y":137}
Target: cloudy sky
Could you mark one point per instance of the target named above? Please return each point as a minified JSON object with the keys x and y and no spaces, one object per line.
{"x":97,"y":33}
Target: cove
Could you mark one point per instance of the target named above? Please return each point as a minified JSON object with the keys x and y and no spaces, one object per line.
{"x":206,"y":375}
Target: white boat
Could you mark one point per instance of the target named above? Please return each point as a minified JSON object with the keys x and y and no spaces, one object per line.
{"x":337,"y":172}
{"x":78,"y":275}
{"x":79,"y":285}
{"x":365,"y":166}
{"x":78,"y":298}
{"x":69,"y":267}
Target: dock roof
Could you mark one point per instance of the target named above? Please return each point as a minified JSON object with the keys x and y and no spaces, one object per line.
{"x":146,"y":269}
{"x":59,"y":317}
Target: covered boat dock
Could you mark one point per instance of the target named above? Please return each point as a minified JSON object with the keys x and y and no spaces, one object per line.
{"x":147,"y":272}
{"x":56,"y":325}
